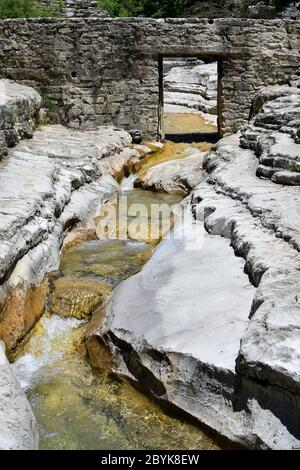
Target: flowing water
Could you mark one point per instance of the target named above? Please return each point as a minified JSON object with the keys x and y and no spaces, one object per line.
{"x":77,"y":407}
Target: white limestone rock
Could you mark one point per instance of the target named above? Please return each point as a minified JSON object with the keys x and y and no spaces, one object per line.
{"x":57,"y":172}
{"x":274,"y":134}
{"x":190,"y":86}
{"x":251,"y":394}
{"x":17,"y":422}
{"x":176,"y":176}
{"x":19,"y":113}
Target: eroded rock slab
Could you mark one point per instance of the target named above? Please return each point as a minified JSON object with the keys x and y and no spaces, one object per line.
{"x":251,"y":393}
{"x":190,"y":85}
{"x":176,"y":176}
{"x":19,"y":113}
{"x":49,"y":185}
{"x":17,"y":423}
{"x":274,"y":134}
{"x":176,"y":327}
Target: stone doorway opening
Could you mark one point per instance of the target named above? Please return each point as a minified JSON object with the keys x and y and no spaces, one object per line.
{"x":189,"y":98}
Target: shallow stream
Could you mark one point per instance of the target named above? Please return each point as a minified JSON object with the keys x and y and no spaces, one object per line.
{"x":77,"y":407}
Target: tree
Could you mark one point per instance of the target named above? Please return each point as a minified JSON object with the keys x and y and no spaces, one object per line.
{"x":23,"y":9}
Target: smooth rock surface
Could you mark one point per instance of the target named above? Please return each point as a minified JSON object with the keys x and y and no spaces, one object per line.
{"x":262,"y":221}
{"x":255,"y":401}
{"x":176,"y":176}
{"x":78,"y":298}
{"x":171,"y":328}
{"x":173,"y":304}
{"x":18,"y":428}
{"x":48,"y":185}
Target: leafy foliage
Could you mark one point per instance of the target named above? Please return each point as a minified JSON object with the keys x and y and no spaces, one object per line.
{"x":148,"y":8}
{"x":23,"y":9}
{"x":175,"y":8}
{"x":280,"y":4}
{"x":49,"y":103}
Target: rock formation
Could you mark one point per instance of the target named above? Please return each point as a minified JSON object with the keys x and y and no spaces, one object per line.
{"x":19,"y":113}
{"x":49,"y":184}
{"x":177,"y":176}
{"x":274,"y":134}
{"x":190,"y":85}
{"x":291,"y":12}
{"x":18,"y":428}
{"x":191,"y":326}
{"x":244,"y":382}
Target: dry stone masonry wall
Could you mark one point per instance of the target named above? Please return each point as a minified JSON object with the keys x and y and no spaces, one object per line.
{"x":75,"y":8}
{"x":106,"y":71}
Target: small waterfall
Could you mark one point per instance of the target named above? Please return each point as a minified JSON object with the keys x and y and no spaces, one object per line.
{"x":128,"y":183}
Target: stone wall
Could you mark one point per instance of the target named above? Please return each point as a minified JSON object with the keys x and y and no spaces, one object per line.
{"x":107,"y":70}
{"x":75,"y":8}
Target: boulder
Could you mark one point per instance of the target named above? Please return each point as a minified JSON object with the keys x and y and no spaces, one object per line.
{"x":78,"y":298}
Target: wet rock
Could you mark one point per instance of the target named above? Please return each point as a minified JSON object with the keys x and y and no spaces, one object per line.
{"x":78,"y":298}
{"x":17,"y":423}
{"x":180,"y":339}
{"x":254,"y":401}
{"x":20,"y":310}
{"x":177,"y":176}
{"x":50,"y":184}
{"x":122,"y":163}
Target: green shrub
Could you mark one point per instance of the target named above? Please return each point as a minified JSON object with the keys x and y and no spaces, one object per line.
{"x":149,"y":8}
{"x":280,"y":4}
{"x":23,"y":9}
{"x":175,"y":8}
{"x":49,"y":103}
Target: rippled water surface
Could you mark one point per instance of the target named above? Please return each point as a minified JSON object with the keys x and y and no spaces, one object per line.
{"x":78,"y":408}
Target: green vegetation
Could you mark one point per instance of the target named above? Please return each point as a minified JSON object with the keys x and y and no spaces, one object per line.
{"x":49,"y":103}
{"x":175,"y":8}
{"x":280,"y":4}
{"x":148,"y":8}
{"x":23,"y":9}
